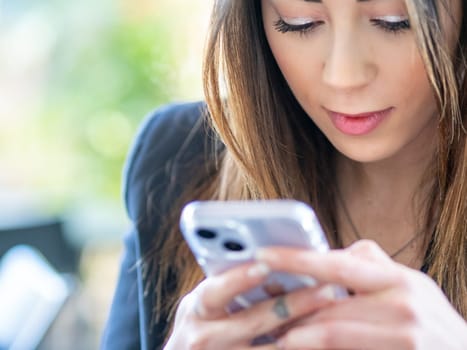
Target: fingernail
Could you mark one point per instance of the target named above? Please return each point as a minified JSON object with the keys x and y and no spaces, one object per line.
{"x":326,"y":293}
{"x":264,"y":255}
{"x":259,"y":270}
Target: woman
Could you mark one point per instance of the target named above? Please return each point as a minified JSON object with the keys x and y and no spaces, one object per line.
{"x":358,"y":108}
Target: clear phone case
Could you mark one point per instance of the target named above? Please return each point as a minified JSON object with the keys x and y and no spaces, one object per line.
{"x":225,"y":234}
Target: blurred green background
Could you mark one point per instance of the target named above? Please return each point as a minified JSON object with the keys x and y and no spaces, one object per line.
{"x":76,"y":79}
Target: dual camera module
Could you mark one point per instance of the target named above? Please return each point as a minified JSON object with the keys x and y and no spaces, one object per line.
{"x":229,"y":244}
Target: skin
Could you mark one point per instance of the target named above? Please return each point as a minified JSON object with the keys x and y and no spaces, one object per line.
{"x":353,"y":67}
{"x":201,"y":321}
{"x":393,"y":307}
{"x":346,"y":65}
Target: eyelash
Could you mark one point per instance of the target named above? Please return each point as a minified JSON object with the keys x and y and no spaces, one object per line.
{"x":391,"y":27}
{"x":284,"y":27}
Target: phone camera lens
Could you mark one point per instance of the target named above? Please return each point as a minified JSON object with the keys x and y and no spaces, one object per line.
{"x":233,"y":246}
{"x":206,"y":234}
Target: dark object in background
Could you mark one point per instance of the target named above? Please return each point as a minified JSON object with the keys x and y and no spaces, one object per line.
{"x":39,"y":272}
{"x":49,"y":238}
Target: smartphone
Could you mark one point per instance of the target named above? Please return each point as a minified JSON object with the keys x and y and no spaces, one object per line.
{"x":224,"y":234}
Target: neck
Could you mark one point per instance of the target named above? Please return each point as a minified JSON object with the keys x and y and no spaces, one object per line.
{"x":384,"y":201}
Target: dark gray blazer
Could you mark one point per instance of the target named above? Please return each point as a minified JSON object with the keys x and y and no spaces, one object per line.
{"x":169,"y":145}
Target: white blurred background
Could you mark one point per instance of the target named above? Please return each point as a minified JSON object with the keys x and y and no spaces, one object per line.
{"x":76,"y":79}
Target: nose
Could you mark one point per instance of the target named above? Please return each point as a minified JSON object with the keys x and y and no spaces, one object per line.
{"x":348,"y":65}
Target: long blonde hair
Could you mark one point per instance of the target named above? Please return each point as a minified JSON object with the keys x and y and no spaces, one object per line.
{"x":273,"y":149}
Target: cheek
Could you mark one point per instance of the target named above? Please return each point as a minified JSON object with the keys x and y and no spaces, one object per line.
{"x":294,"y":55}
{"x":300,"y":69}
{"x":411,"y":81}
{"x":401,"y":77}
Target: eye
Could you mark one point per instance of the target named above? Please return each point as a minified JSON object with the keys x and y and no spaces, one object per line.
{"x":303,"y":28}
{"x":393,"y":27}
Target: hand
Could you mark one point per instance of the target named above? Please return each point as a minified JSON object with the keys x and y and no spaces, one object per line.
{"x":201,"y":321}
{"x":393,"y":307}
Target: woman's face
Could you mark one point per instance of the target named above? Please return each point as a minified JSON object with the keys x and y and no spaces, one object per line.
{"x":355,"y":68}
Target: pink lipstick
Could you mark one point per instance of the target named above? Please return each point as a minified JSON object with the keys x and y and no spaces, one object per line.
{"x":358,"y":124}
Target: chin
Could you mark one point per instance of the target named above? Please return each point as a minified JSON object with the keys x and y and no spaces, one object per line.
{"x":365,"y":154}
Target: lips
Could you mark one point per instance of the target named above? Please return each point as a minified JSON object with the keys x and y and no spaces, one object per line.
{"x":358,"y":124}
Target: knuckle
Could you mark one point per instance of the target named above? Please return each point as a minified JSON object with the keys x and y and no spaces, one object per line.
{"x":208,"y":306}
{"x":198,"y":341}
{"x":329,"y":334}
{"x":339,"y":271}
{"x":367,"y":247}
{"x":405,"y":309}
{"x":255,"y":325}
{"x":186,"y":302}
{"x":199,"y":298}
{"x":404,"y":280}
{"x":409,"y":339}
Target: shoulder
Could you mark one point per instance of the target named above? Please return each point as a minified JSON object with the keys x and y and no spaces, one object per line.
{"x":161,"y":135}
{"x":170,"y":140}
{"x":173,"y":143}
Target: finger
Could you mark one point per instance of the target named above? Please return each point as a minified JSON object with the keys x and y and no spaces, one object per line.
{"x":375,"y":309}
{"x":257,"y":322}
{"x":211,"y":336}
{"x":216,"y":292}
{"x":336,"y":267}
{"x":369,"y":250}
{"x":344,"y":335}
{"x":271,"y":346}
{"x":271,"y":315}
